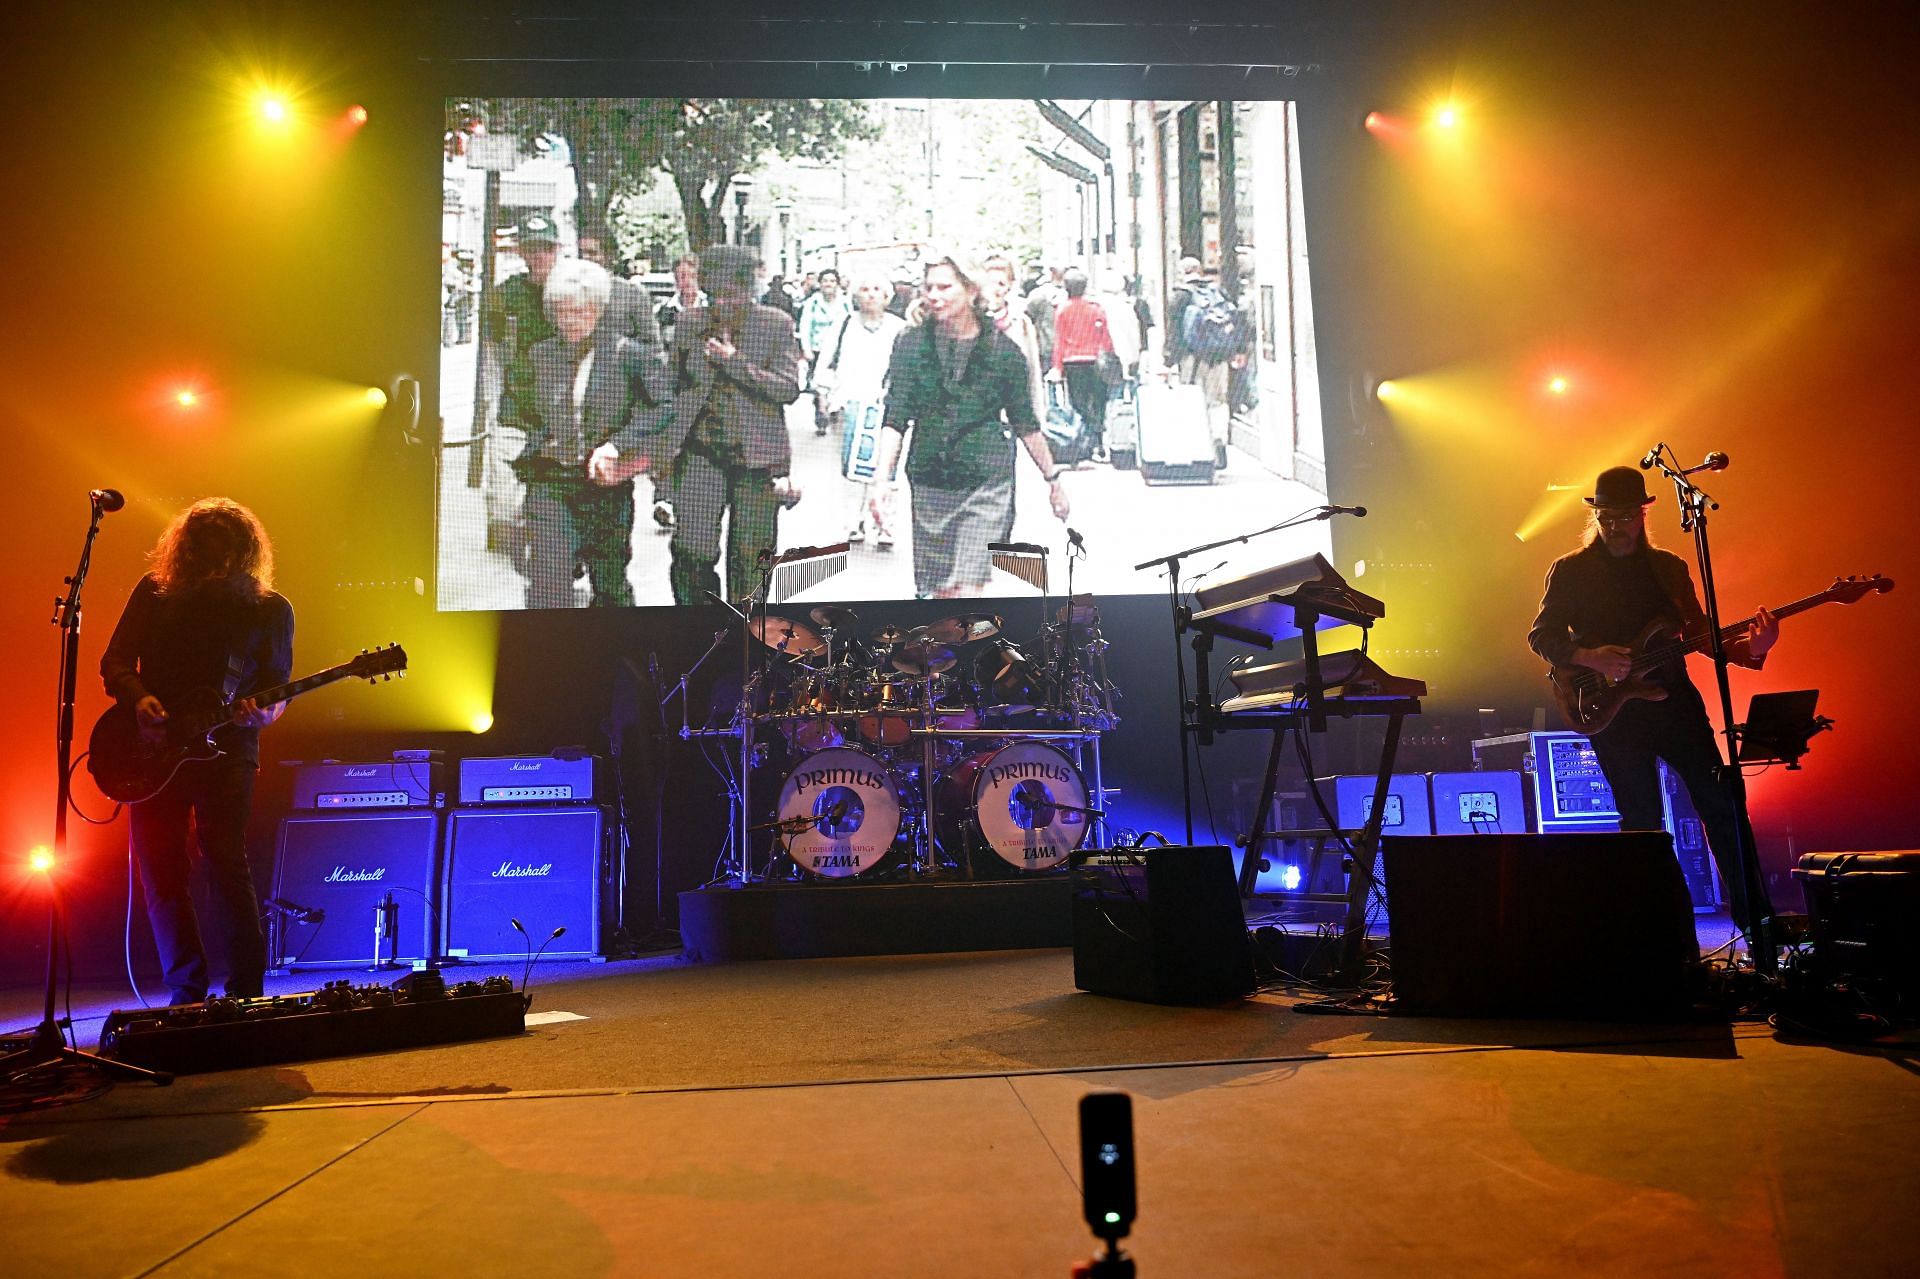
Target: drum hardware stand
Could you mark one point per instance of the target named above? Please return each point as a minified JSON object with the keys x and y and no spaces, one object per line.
{"x":1694,"y":503}
{"x":48,"y":1045}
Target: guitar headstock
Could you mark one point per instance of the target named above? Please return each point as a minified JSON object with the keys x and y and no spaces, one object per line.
{"x":1845,"y":590}
{"x":381,"y":663}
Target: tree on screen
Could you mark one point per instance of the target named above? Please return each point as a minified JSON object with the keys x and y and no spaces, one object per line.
{"x":620,"y":146}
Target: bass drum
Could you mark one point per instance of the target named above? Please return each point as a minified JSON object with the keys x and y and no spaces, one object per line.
{"x":853,"y":809}
{"x":1009,"y":800}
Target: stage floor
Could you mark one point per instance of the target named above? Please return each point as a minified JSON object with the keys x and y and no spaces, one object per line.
{"x":915,"y":1115}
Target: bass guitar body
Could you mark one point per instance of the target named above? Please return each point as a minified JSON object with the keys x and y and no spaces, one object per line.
{"x":130,"y":763}
{"x":1588,"y":700}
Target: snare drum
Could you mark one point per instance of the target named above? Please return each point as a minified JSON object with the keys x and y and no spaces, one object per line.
{"x":854,"y":805}
{"x":1009,"y":799}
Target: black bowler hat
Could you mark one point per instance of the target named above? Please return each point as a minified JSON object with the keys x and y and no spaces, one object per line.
{"x":1620,"y":486}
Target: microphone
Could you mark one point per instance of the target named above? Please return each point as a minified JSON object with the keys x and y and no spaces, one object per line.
{"x":1715,"y":462}
{"x":1652,"y":458}
{"x":1074,"y":537}
{"x":1358,"y":512}
{"x":107,"y":499}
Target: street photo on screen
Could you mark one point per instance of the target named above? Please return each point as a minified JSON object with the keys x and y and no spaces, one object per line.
{"x":868,"y":349}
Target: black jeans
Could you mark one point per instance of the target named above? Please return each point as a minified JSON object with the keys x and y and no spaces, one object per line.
{"x":703,"y":492}
{"x":217,"y":795}
{"x":574,"y":521}
{"x":1087,"y":392}
{"x":1677,"y":730}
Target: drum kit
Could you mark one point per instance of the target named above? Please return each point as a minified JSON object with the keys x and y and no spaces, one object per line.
{"x":945,"y":750}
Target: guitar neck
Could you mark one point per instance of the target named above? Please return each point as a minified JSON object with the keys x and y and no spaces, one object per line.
{"x":1737,"y":629}
{"x":293,"y":688}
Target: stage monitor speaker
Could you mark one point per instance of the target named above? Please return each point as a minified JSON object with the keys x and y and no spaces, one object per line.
{"x":1569,"y":926}
{"x":332,"y":874}
{"x":546,"y":867}
{"x":1160,"y":924}
{"x":1482,"y":803}
{"x":1862,"y":909}
{"x":1408,"y":811}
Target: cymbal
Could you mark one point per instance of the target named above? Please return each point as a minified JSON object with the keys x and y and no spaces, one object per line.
{"x":1082,"y":608}
{"x":835,"y":617}
{"x":963,"y":628}
{"x":787,"y":635}
{"x":921,"y":654}
{"x":889,"y":634}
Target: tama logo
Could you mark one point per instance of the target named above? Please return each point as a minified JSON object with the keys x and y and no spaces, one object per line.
{"x":363,"y":772}
{"x":524,"y":766}
{"x":341,"y":875}
{"x":529,"y":871}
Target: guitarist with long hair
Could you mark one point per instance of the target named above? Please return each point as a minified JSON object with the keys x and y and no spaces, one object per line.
{"x":205,"y":616}
{"x":1598,"y":604}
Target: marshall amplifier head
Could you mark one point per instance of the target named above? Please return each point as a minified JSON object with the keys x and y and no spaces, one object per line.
{"x":349,"y":885}
{"x":332,"y":786}
{"x":527,"y":779}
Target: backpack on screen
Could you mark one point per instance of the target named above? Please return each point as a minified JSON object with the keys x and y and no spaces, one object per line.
{"x":1210,"y":326}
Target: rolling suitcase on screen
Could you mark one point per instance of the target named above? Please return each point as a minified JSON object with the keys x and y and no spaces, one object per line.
{"x":1174,"y":445}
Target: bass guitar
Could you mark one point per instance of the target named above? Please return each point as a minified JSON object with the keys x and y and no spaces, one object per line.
{"x":1588,"y":700}
{"x":132,"y":763}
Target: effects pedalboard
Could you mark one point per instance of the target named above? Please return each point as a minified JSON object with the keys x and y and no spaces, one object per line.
{"x":338,"y":1020}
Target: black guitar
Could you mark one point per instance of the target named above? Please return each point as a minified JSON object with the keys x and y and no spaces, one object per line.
{"x":132,"y":763}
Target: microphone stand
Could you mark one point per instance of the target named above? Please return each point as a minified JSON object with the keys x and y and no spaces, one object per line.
{"x":1694,"y":503}
{"x":1182,"y":616}
{"x":48,"y":1046}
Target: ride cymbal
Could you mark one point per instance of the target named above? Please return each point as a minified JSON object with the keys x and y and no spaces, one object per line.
{"x":963,"y":628}
{"x":835,"y":617}
{"x":787,"y":635}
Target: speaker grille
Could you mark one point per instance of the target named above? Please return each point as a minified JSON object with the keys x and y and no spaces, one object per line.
{"x":345,"y":864}
{"x":542,"y":866}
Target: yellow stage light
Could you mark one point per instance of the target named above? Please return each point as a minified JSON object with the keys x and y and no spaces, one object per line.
{"x":273,"y":109}
{"x":1447,"y":117}
{"x":40,"y":859}
{"x":1385,"y":391}
{"x":376,"y":397}
{"x":481,"y":722}
{"x":356,"y":115}
{"x":1558,"y":385}
{"x":186,"y":397}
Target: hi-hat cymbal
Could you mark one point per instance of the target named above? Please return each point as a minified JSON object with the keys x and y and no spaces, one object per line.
{"x":787,"y":635}
{"x":1082,"y":610}
{"x":921,"y":654}
{"x":889,"y":634}
{"x":835,"y":617}
{"x":963,"y":628}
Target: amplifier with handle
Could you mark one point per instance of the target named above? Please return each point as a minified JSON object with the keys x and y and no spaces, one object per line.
{"x":336,"y":785}
{"x":527,"y":779}
{"x":547,"y":867}
{"x":333,"y":874}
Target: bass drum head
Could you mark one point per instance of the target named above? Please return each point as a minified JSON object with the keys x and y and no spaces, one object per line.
{"x":1014,"y":795}
{"x":855,"y":811}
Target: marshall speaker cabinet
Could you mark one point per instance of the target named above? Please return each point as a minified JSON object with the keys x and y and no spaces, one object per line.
{"x":548,"y":867}
{"x":352,"y":886}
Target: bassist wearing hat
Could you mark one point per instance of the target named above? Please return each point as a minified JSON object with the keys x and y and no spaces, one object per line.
{"x":1598,"y":601}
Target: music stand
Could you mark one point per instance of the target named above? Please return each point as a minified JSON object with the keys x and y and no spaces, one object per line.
{"x":1780,"y":726}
